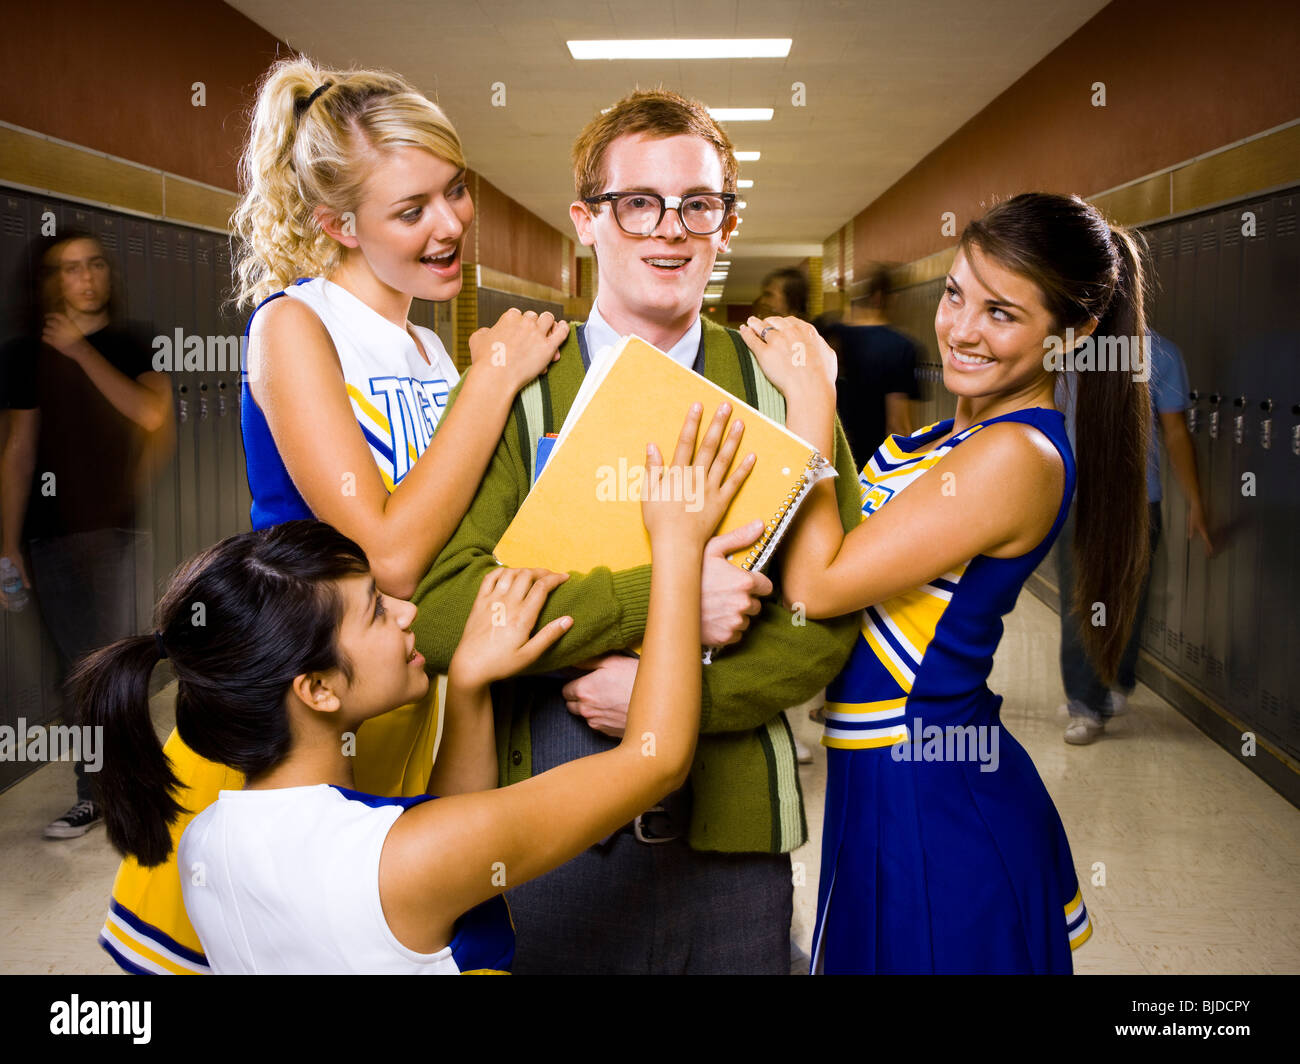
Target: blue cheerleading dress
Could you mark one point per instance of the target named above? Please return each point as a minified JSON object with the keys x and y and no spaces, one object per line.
{"x":941,"y":850}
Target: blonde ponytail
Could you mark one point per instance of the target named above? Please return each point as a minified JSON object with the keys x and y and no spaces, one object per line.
{"x":303,"y":155}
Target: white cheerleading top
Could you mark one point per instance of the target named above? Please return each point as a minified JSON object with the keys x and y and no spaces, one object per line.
{"x":286,"y":881}
{"x":397,"y":397}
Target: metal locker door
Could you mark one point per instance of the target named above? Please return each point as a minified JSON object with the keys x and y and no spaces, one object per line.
{"x":1218,"y":570}
{"x":45,"y":216}
{"x":1233,"y":333}
{"x":225,"y":402}
{"x":38,"y":696}
{"x":232,"y":321}
{"x":208,"y":486}
{"x":15,"y":236}
{"x":109,"y":229}
{"x":1185,"y":602}
{"x":137,"y":266}
{"x":177,"y":312}
{"x":1268,"y":286}
{"x":1160,"y":316}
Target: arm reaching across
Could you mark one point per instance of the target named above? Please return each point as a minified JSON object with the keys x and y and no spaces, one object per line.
{"x":443,"y":858}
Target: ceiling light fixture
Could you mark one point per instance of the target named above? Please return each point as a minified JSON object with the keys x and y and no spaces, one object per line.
{"x":683,"y":48}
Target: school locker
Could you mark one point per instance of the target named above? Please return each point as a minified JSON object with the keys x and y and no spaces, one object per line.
{"x":1240,"y":320}
{"x":1271,"y":258}
{"x":1160,"y":318}
{"x":207,"y":482}
{"x":1188,"y":578}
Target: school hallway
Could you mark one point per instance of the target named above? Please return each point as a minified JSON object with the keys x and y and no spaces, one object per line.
{"x":1201,"y":856}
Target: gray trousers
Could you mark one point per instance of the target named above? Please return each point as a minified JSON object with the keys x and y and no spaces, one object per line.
{"x":85,"y":584}
{"x":627,"y":907}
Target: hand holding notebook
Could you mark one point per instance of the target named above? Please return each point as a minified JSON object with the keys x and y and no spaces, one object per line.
{"x":584,"y":509}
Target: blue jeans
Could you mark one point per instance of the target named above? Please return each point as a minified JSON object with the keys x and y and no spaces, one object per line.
{"x":85,"y":586}
{"x":1082,"y":684}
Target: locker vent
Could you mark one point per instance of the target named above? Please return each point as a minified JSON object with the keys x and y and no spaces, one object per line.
{"x":1286,"y":224}
{"x":109,"y":240}
{"x":1231,"y":235}
{"x":15,"y":225}
{"x":1272,"y":704}
{"x":182,"y":251}
{"x":1209,"y":241}
{"x":159,"y":248}
{"x":1192,"y":653}
{"x":1213,"y":667}
{"x":135,"y":244}
{"x":201,"y":254}
{"x":1187,"y":244}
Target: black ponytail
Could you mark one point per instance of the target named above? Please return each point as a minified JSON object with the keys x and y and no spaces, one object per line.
{"x":136,"y":785}
{"x":239,"y":622}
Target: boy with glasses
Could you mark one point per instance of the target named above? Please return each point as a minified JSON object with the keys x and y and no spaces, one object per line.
{"x":701,"y":883}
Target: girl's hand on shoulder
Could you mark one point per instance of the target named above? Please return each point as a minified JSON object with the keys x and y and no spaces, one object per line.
{"x":496,"y":642}
{"x":793,"y":356}
{"x":521,"y":344}
{"x":689,"y":497}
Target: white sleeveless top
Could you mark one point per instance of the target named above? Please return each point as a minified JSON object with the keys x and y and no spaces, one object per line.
{"x":286,"y":881}
{"x":397,"y":396}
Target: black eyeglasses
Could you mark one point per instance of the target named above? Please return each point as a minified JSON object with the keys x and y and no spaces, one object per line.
{"x":639,"y":213}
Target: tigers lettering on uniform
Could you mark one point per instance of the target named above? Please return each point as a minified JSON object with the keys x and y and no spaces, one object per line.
{"x":398,"y":419}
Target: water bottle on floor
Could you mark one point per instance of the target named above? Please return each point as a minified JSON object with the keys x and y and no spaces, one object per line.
{"x":11,"y":583}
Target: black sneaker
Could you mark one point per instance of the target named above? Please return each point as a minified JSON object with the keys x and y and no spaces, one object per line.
{"x":76,"y":821}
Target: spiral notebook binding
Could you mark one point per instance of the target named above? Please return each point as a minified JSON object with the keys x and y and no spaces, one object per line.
{"x":817,"y":468}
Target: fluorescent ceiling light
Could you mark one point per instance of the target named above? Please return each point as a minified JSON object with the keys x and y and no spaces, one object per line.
{"x":712,"y":295}
{"x":745,"y":184}
{"x":683,"y":48}
{"x":748,"y":156}
{"x":741,"y":204}
{"x":741,"y":114}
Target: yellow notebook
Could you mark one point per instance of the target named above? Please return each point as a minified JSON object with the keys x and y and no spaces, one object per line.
{"x":584,"y":510}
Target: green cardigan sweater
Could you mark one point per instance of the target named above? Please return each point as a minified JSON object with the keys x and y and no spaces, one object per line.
{"x":744,"y":779}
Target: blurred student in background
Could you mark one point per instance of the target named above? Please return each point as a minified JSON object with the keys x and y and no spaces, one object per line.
{"x":877,"y":370}
{"x":785,"y":292}
{"x":88,"y":418}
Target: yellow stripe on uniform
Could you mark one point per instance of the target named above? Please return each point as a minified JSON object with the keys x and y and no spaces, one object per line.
{"x":839,"y":742}
{"x":369,"y":409}
{"x":122,"y":937}
{"x":884,"y":708}
{"x":1083,"y":932}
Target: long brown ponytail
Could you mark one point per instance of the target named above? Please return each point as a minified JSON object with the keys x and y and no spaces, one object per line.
{"x":1087,"y":269}
{"x":1112,"y":431}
